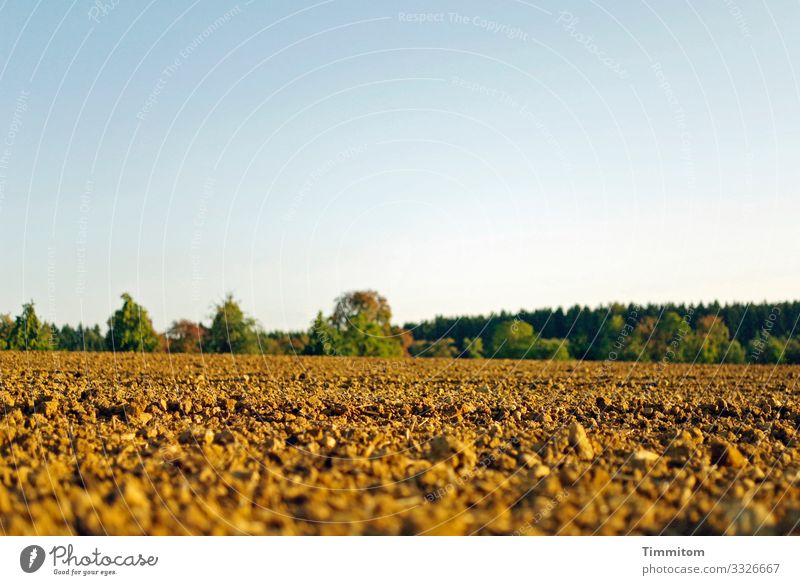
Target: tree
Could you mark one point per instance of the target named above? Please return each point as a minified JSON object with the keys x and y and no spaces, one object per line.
{"x":610,"y":339}
{"x":441,"y":348}
{"x":792,"y":352}
{"x":735,"y":353}
{"x":360,"y":325}
{"x":69,"y":339}
{"x":668,"y":336}
{"x":130,"y":328}
{"x":324,"y":338}
{"x":367,"y":306}
{"x":28,"y":333}
{"x":93,"y":339}
{"x":516,"y":340}
{"x":231,"y":330}
{"x":624,"y":335}
{"x":767,"y":349}
{"x":6,"y":325}
{"x":549,"y":349}
{"x":186,"y":336}
{"x":473,"y":348}
{"x":709,"y":342}
{"x":512,"y":339}
{"x":81,"y":338}
{"x":280,"y":343}
{"x":404,"y":337}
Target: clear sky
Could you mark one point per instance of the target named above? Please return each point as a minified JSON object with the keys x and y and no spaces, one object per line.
{"x":459,"y":157}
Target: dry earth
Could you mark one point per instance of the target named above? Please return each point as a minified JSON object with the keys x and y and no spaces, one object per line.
{"x":158,"y":444}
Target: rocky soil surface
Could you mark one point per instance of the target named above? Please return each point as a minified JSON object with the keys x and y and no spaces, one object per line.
{"x":159,"y":444}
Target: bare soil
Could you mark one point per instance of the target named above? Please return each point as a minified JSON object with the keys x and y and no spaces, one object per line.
{"x":160,"y":444}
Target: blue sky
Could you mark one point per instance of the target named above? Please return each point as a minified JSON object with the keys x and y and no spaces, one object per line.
{"x":459,"y":157}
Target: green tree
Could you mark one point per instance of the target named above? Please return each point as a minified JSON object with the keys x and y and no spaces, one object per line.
{"x":441,"y":348}
{"x":767,"y":349}
{"x":549,"y":349}
{"x":512,"y":339}
{"x":360,"y":325}
{"x":6,"y":325}
{"x":516,"y":340}
{"x":323,"y":337}
{"x":708,"y":343}
{"x":735,"y":353}
{"x":792,"y":353}
{"x":130,"y":328}
{"x":93,"y":339}
{"x":473,"y":348}
{"x":668,"y":338}
{"x":232,"y":331}
{"x":28,"y":333}
{"x":625,"y":336}
{"x":69,"y":339}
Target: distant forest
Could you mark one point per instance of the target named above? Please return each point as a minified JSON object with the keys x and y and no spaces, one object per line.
{"x":746,"y":332}
{"x":360,"y":325}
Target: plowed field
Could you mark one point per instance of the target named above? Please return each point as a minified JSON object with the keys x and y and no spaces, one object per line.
{"x":159,"y":444}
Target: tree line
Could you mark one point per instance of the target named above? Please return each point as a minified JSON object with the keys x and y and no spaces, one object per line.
{"x":361,"y":325}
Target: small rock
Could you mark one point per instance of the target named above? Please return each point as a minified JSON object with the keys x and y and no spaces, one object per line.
{"x":551,"y":486}
{"x":539,"y":471}
{"x":680,"y":450}
{"x":224,"y":438}
{"x":644,"y":458}
{"x":579,"y":441}
{"x":49,"y":408}
{"x":191,"y":436}
{"x":143,"y":418}
{"x":439,"y":448}
{"x":273,"y":444}
{"x":570,"y":475}
{"x":171,"y":453}
{"x":458,"y":454}
{"x":697,"y":434}
{"x":182,"y":406}
{"x":723,"y":453}
{"x":134,"y":495}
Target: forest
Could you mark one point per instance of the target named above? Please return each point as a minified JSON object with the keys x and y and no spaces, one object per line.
{"x":360,"y":324}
